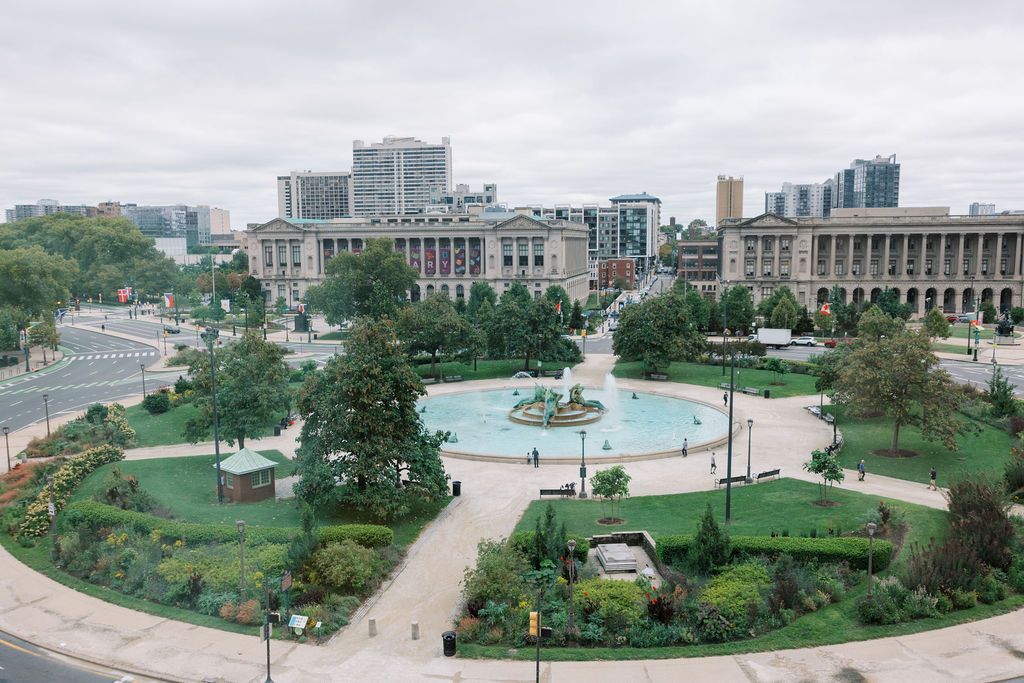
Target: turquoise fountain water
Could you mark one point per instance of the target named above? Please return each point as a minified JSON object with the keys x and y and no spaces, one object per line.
{"x":647,"y":424}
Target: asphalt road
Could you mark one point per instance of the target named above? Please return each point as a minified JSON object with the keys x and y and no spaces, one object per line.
{"x":26,"y":663}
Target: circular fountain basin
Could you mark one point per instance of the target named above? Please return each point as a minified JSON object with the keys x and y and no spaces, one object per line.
{"x":649,"y":424}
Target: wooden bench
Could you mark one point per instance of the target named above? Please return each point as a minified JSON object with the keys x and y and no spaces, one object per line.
{"x":430,"y":380}
{"x":766,"y":474}
{"x":724,"y":385}
{"x":657,"y":376}
{"x":752,"y":390}
{"x":735,"y":480}
{"x":564,"y":493}
{"x":557,"y":374}
{"x":829,"y":417}
{"x":453,"y":378}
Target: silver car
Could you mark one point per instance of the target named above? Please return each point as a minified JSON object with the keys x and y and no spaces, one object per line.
{"x":805,"y":341}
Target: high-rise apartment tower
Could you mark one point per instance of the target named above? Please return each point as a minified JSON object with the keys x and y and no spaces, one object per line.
{"x":395,"y":176}
{"x":730,"y":198}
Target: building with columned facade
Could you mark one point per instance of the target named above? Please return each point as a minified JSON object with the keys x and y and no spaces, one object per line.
{"x":449,"y":251}
{"x":927,"y":256}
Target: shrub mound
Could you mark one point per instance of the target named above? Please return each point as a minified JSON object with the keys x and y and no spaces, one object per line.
{"x":523,"y":542}
{"x":674,"y":549}
{"x":65,"y":481}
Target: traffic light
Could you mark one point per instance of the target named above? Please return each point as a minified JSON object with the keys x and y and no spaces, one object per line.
{"x":534,"y":623}
{"x":274,"y":618}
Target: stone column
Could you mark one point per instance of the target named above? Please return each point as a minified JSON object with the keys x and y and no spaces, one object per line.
{"x":959,"y":263}
{"x":941,"y":263}
{"x":996,"y":270}
{"x":885,"y":255}
{"x":849,"y":258}
{"x":832,"y":256}
{"x":758,"y":246}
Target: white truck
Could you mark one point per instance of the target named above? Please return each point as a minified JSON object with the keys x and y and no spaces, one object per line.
{"x":773,"y":338}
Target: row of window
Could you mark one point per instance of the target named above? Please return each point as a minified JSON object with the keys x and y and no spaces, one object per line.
{"x":947,"y":267}
{"x":524,"y":254}
{"x":257,"y":479}
{"x":282,"y":255}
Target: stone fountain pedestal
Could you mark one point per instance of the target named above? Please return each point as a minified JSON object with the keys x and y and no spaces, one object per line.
{"x":616,"y":557}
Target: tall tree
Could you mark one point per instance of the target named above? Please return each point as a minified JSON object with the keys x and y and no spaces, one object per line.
{"x":739,"y":308}
{"x":478,"y":293}
{"x":898,"y":375}
{"x":524,"y":327}
{"x":784,"y":316}
{"x":361,"y":423}
{"x":433,"y":326}
{"x":657,"y":332}
{"x":371,"y":283}
{"x":252,"y":389}
{"x":576,"y":320}
{"x":766,"y":307}
{"x":936,"y":324}
{"x":698,"y":309}
{"x":33,"y":281}
{"x":889,"y":302}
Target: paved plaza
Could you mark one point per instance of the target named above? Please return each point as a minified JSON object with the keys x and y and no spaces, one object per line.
{"x":427,"y":588}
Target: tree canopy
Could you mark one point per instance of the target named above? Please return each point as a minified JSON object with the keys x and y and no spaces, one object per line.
{"x":32,"y":281}
{"x":362,"y":429}
{"x":372,"y":283}
{"x":433,"y":326}
{"x":657,"y":331}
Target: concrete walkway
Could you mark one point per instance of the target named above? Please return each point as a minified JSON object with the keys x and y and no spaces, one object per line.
{"x":427,"y":589}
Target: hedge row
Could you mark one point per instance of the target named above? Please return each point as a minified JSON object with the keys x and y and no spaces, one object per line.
{"x":65,"y":480}
{"x":90,"y":513}
{"x":523,"y":541}
{"x":673,"y":550}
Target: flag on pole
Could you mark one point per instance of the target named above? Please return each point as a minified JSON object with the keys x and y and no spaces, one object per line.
{"x":169,"y":300}
{"x":302,"y":309}
{"x":558,"y":307}
{"x":824,"y":309}
{"x":122,"y":295}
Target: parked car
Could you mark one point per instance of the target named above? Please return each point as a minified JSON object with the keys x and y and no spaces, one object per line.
{"x":831,"y":343}
{"x":805,"y":341}
{"x":171,"y":329}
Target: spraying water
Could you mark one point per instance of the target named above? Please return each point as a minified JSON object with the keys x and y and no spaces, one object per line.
{"x":566,"y":381}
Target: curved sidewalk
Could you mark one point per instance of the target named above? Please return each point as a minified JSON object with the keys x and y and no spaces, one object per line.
{"x":427,"y":591}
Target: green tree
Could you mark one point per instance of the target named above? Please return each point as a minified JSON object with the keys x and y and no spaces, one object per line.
{"x":698,"y":309}
{"x":556,"y":295}
{"x":620,"y":283}
{"x":988,"y":312}
{"x":8,"y":331}
{"x":826,"y":465}
{"x":876,"y":324}
{"x":778,"y":367}
{"x":433,"y":326}
{"x":739,"y":308}
{"x":711,"y":546}
{"x":1000,"y":394}
{"x":889,"y":302}
{"x":371,"y":283}
{"x":612,"y":485}
{"x":252,"y":390}
{"x":361,"y":422}
{"x":32,"y":281}
{"x":280,"y":305}
{"x":784,"y":316}
{"x":656,"y":331}
{"x":43,"y":335}
{"x":478,"y":293}
{"x":524,"y":327}
{"x":766,"y":307}
{"x":576,"y":320}
{"x":899,"y":376}
{"x":936,"y":324}
{"x":1017,"y":314}
{"x":827,"y":367}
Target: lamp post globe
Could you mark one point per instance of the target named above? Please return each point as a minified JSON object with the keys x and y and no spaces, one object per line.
{"x":750,"y":429}
{"x":583,"y":463}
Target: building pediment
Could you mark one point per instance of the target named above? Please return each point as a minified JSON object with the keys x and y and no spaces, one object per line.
{"x":277,"y":225}
{"x":766,"y":219}
{"x":522,"y":223}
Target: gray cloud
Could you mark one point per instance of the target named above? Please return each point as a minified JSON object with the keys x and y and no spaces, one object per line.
{"x":205,"y":102}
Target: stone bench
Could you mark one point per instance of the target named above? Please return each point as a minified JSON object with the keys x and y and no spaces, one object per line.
{"x":562,"y":492}
{"x":430,"y":380}
{"x":735,"y":480}
{"x":453,"y":378}
{"x":724,"y":385}
{"x":768,"y":473}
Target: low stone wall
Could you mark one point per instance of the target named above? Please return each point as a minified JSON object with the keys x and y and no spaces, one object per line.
{"x":640,"y":538}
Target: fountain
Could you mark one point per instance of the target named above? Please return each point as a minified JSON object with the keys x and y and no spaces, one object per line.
{"x":546,"y":410}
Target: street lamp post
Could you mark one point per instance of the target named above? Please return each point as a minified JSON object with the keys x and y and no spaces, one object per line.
{"x":53,"y":514}
{"x":46,"y":405}
{"x":728,"y":465}
{"x":241,"y":556}
{"x":871,"y":537}
{"x":750,"y":429}
{"x":7,"y":440}
{"x":142,"y":367}
{"x":583,"y":463}
{"x":572,"y":572}
{"x":725,"y":293}
{"x":968,"y":324}
{"x":209,"y":338}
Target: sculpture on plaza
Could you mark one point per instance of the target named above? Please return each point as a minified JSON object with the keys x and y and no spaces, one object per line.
{"x":546,"y":409}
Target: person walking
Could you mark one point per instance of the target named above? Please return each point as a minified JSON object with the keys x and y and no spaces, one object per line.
{"x":714,"y":467}
{"x":536,"y":458}
{"x":684,"y":448}
{"x":725,"y":398}
{"x":860,"y":471}
{"x":931,"y":476}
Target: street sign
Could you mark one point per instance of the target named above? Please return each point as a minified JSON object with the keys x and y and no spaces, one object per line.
{"x":286,"y":581}
{"x":298,"y":621}
{"x":50,"y":510}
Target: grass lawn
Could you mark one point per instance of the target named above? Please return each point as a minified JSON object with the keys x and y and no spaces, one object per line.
{"x":337,"y":335}
{"x":486,"y":369}
{"x":757,"y":509}
{"x":984,"y":450}
{"x":961,"y":349}
{"x":711,"y":376}
{"x":166,"y":428}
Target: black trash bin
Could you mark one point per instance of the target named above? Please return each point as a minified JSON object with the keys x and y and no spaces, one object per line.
{"x":456,"y":488}
{"x":316,"y":336}
{"x":448,"y":642}
{"x":277,"y":430}
{"x":767,"y":393}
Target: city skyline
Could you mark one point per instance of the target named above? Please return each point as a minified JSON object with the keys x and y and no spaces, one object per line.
{"x":550,"y":123}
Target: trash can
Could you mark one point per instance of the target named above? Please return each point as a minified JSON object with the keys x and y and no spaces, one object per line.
{"x":277,"y":430}
{"x":767,"y":393}
{"x":448,"y":642}
{"x":456,"y":488}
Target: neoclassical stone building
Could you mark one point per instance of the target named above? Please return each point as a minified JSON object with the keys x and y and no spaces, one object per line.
{"x":450,"y":252}
{"x":929,"y":257}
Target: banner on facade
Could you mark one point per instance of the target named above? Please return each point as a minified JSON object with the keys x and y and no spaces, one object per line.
{"x":460,"y":260}
{"x":430,"y":256}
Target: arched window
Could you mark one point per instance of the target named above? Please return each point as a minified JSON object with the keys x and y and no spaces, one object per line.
{"x":460,"y":292}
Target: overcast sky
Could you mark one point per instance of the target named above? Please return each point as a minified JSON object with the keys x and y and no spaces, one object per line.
{"x":557,"y":102}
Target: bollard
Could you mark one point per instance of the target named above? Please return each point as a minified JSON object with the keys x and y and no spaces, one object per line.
{"x":415,"y":630}
{"x":373,"y":627}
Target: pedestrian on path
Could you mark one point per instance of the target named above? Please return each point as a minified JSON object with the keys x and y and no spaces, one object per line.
{"x":536,"y":457}
{"x":725,"y":398}
{"x":860,"y":471}
{"x":714,"y":467}
{"x":931,"y":476}
{"x":684,"y":448}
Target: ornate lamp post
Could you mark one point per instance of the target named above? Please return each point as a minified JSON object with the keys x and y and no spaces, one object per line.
{"x":142,"y":366}
{"x":583,"y":463}
{"x":871,"y":537}
{"x":750,"y":429}
{"x":46,"y":405}
{"x":572,"y":572}
{"x":209,"y":338}
{"x":7,"y":430}
{"x":241,"y":555}
{"x":53,"y":515}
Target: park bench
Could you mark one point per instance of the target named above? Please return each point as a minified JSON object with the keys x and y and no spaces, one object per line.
{"x":735,"y":480}
{"x":566,"y":491}
{"x":752,"y":390}
{"x":453,"y":378}
{"x":829,"y":417}
{"x":430,"y":380}
{"x":768,"y":473}
{"x":724,"y":385}
{"x":557,"y":374}
{"x":657,"y":376}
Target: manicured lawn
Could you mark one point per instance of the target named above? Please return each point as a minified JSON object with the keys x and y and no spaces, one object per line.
{"x":337,"y":335}
{"x":960,"y":331}
{"x":711,"y":376}
{"x":961,"y":349}
{"x":979,"y":451}
{"x":166,"y":428}
{"x":186,"y":488}
{"x":486,"y":369}
{"x":757,"y":509}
